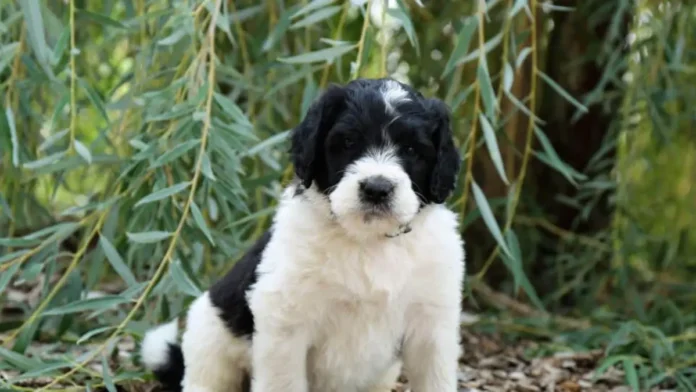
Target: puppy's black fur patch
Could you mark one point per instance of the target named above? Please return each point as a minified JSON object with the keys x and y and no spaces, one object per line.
{"x":343,"y":125}
{"x":229,"y":293}
{"x":349,"y":121}
{"x":172,"y":372}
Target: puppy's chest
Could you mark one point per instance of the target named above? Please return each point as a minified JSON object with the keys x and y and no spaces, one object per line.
{"x":355,"y":342}
{"x":370,"y":273}
{"x":361,"y":297}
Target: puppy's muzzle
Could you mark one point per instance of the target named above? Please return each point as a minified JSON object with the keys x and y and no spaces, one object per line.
{"x":376,"y":191}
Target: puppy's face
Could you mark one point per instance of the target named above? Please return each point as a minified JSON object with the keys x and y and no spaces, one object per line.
{"x":378,"y":151}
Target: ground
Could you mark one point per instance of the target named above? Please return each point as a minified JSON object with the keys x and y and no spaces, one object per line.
{"x":490,"y":363}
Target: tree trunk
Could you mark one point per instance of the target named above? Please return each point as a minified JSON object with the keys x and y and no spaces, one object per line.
{"x":579,"y":49}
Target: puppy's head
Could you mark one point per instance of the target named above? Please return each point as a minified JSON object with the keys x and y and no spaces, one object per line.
{"x":379,"y":151}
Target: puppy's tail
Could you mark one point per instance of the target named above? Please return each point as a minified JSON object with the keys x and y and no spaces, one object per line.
{"x":162,"y":355}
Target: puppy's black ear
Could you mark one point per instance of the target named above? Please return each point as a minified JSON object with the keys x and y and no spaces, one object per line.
{"x":444,"y":177}
{"x":308,"y":137}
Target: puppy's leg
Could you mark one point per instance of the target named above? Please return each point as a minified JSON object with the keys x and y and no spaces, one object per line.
{"x":281,"y":342}
{"x":215,"y":359}
{"x":431,"y":349}
{"x":389,"y":379}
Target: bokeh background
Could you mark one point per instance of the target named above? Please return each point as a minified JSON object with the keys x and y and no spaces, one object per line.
{"x":143,"y":146}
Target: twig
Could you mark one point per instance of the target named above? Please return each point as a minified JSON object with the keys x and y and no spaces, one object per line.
{"x":166,"y":259}
{"x":562,"y":233}
{"x":361,"y":43}
{"x":58,"y":285}
{"x":15,"y":69}
{"x":468,"y":176}
{"x":336,"y":36}
{"x":73,"y":106}
{"x":383,"y":63}
{"x":528,"y":142}
{"x":502,"y":301}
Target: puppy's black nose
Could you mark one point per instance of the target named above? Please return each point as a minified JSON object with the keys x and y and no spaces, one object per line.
{"x":376,"y":189}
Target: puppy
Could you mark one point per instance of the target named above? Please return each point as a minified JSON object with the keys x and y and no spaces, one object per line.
{"x":360,"y":274}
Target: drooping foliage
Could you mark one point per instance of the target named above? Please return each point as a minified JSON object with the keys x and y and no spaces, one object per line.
{"x":143,"y":144}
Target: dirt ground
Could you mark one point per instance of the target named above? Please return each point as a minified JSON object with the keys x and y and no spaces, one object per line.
{"x":488,"y":364}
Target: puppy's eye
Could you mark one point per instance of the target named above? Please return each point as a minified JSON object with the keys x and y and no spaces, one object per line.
{"x":348,"y":142}
{"x":410,"y":150}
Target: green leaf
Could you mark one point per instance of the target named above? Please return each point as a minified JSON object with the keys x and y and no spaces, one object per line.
{"x":18,"y":242}
{"x":516,"y":267}
{"x":7,"y":275}
{"x":163,"y":193}
{"x":462,"y":46}
{"x":45,"y":161}
{"x":313,"y":5}
{"x":116,"y":261}
{"x":62,"y":229}
{"x":554,"y":160}
{"x":327,"y":54}
{"x":519,"y":4}
{"x":19,"y":360}
{"x":309,"y":95}
{"x":682,"y":378}
{"x":175,"y":112}
{"x":207,"y":168}
{"x":316,"y":17}
{"x":88,"y":304}
{"x":148,"y":237}
{"x":175,"y":153}
{"x":93,"y":333}
{"x":291,"y":79}
{"x":182,"y":280}
{"x":200,"y":221}
{"x":489,"y":218}
{"x":11,"y":256}
{"x":83,"y":151}
{"x":7,"y":54}
{"x":51,"y":140}
{"x":487,"y":93}
{"x":277,"y":33}
{"x":13,"y":136}
{"x":562,"y":92}
{"x":37,"y":36}
{"x":265,"y":145}
{"x":631,"y":374}
{"x":487,"y":47}
{"x":401,"y":13}
{"x":5,"y":208}
{"x":99,"y":18}
{"x":521,"y":106}
{"x":172,"y":38}
{"x":61,"y":45}
{"x":231,"y":108}
{"x":607,"y":363}
{"x":94,"y":97}
{"x":59,"y":109}
{"x":106,"y":374}
{"x":47,"y":370}
{"x":508,"y":76}
{"x":493,"y":149}
{"x":522,"y":56}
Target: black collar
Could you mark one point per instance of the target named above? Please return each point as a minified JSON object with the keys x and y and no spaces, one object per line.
{"x":403,"y":229}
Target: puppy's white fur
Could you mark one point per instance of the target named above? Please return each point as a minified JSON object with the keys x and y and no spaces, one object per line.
{"x":338,"y":305}
{"x":393,"y":94}
{"x":154,"y":348}
{"x":339,"y":310}
{"x":215,"y":360}
{"x":345,"y":199}
{"x":333,"y":313}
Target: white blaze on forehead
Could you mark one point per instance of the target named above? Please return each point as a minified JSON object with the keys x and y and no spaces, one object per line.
{"x":384,"y":155}
{"x":393,"y":94}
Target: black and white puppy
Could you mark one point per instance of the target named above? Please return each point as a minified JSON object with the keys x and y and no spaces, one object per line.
{"x":361,"y":272}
